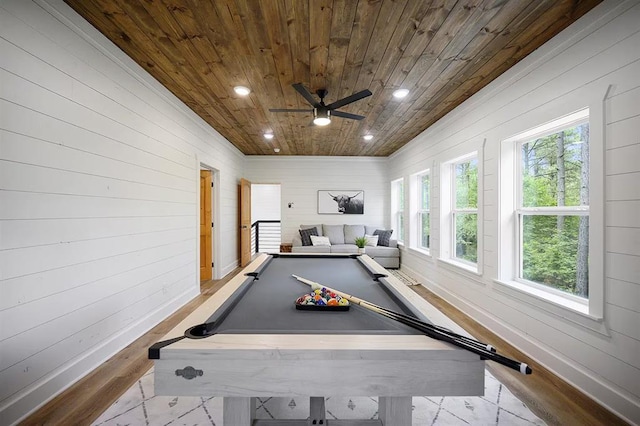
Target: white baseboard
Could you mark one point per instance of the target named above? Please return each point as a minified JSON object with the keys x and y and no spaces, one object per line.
{"x":29,"y":400}
{"x":226,"y":270}
{"x":600,"y":392}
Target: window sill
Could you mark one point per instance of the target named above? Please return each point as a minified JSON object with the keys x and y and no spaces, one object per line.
{"x":463,"y":269}
{"x":467,"y":268}
{"x":569,"y":310}
{"x":419,"y":251}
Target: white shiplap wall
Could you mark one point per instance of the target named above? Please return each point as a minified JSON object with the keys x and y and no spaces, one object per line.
{"x":98,"y":201}
{"x":302,"y":177}
{"x":596,"y":63}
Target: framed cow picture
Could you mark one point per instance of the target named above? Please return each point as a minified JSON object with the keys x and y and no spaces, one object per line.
{"x":340,"y":202}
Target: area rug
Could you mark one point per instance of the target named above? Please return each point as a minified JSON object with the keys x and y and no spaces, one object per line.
{"x":139,"y":406}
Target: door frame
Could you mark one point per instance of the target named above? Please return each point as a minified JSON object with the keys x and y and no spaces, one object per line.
{"x":215,"y":218}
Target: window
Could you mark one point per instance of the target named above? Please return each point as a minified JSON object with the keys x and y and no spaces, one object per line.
{"x":552,"y":211}
{"x":547,"y":223}
{"x":465,"y":210}
{"x":460,"y":196}
{"x":397,"y":208}
{"x":423,"y":181}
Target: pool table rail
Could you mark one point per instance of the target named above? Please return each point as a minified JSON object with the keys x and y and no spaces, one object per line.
{"x":322,"y":364}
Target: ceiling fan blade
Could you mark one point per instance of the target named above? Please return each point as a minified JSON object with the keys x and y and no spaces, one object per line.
{"x":305,"y":94}
{"x":346,"y":115}
{"x":289,"y":110}
{"x":344,"y":101}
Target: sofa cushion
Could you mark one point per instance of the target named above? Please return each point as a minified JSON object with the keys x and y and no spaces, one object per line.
{"x":320,"y":241}
{"x":381,"y":251}
{"x":383,"y":236}
{"x":351,"y":232}
{"x":305,"y":235}
{"x":334,"y":232}
{"x":344,"y":248}
{"x":311,"y":249}
{"x":370,"y":229}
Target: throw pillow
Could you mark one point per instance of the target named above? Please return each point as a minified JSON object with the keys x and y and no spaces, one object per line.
{"x":305,"y":235}
{"x":334,"y":232}
{"x":320,"y":241}
{"x":318,"y":228}
{"x":383,"y":236}
{"x":351,"y":232}
{"x":372,"y":240}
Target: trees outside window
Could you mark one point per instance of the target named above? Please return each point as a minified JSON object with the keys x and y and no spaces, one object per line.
{"x":460,"y":221}
{"x":553,"y":208}
{"x":465,"y":209}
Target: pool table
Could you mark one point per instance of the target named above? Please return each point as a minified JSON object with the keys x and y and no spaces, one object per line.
{"x":248,"y":340}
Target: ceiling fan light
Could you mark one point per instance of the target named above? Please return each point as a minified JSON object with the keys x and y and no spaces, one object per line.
{"x":400,"y":93}
{"x":321,"y":121}
{"x":241,"y":90}
{"x":321,"y":118}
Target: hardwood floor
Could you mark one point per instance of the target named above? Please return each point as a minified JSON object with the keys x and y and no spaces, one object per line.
{"x":550,"y":398}
{"x":553,"y":400}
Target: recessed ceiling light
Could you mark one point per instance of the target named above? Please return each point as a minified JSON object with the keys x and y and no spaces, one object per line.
{"x":241,"y":90}
{"x":368,"y":137}
{"x":268,"y":135}
{"x":400,"y":93}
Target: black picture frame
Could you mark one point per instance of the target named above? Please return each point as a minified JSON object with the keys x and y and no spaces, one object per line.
{"x":340,"y":201}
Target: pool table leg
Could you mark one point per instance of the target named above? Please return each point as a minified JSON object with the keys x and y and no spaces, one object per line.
{"x":238,"y":410}
{"x":317,"y":410}
{"x":395,"y":410}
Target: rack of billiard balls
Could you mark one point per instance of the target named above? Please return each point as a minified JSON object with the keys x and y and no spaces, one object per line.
{"x":322,"y":299}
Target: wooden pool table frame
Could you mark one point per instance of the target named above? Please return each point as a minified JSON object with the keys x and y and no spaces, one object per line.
{"x":240,"y":367}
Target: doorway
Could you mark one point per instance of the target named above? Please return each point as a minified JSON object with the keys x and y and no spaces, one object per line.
{"x":266,"y":217}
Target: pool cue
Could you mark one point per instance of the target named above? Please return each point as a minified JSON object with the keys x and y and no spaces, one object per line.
{"x":427,"y":328}
{"x":433,"y":333}
{"x":409,"y":318}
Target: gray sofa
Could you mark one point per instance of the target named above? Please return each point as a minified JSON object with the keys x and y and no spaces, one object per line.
{"x":342,"y":238}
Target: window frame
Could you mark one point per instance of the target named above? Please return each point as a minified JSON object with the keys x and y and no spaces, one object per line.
{"x":417,"y":211}
{"x":422,"y":211}
{"x":449,"y":210}
{"x":397,"y":208}
{"x":510,"y":207}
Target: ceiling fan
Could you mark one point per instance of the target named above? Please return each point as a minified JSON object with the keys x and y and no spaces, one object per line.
{"x":322,"y":113}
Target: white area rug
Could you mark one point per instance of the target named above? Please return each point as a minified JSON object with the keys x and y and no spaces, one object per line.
{"x":139,"y":406}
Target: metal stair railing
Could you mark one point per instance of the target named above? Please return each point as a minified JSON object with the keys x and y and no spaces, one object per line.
{"x":265,"y":236}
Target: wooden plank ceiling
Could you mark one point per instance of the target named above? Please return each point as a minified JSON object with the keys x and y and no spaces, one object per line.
{"x":443,"y":51}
